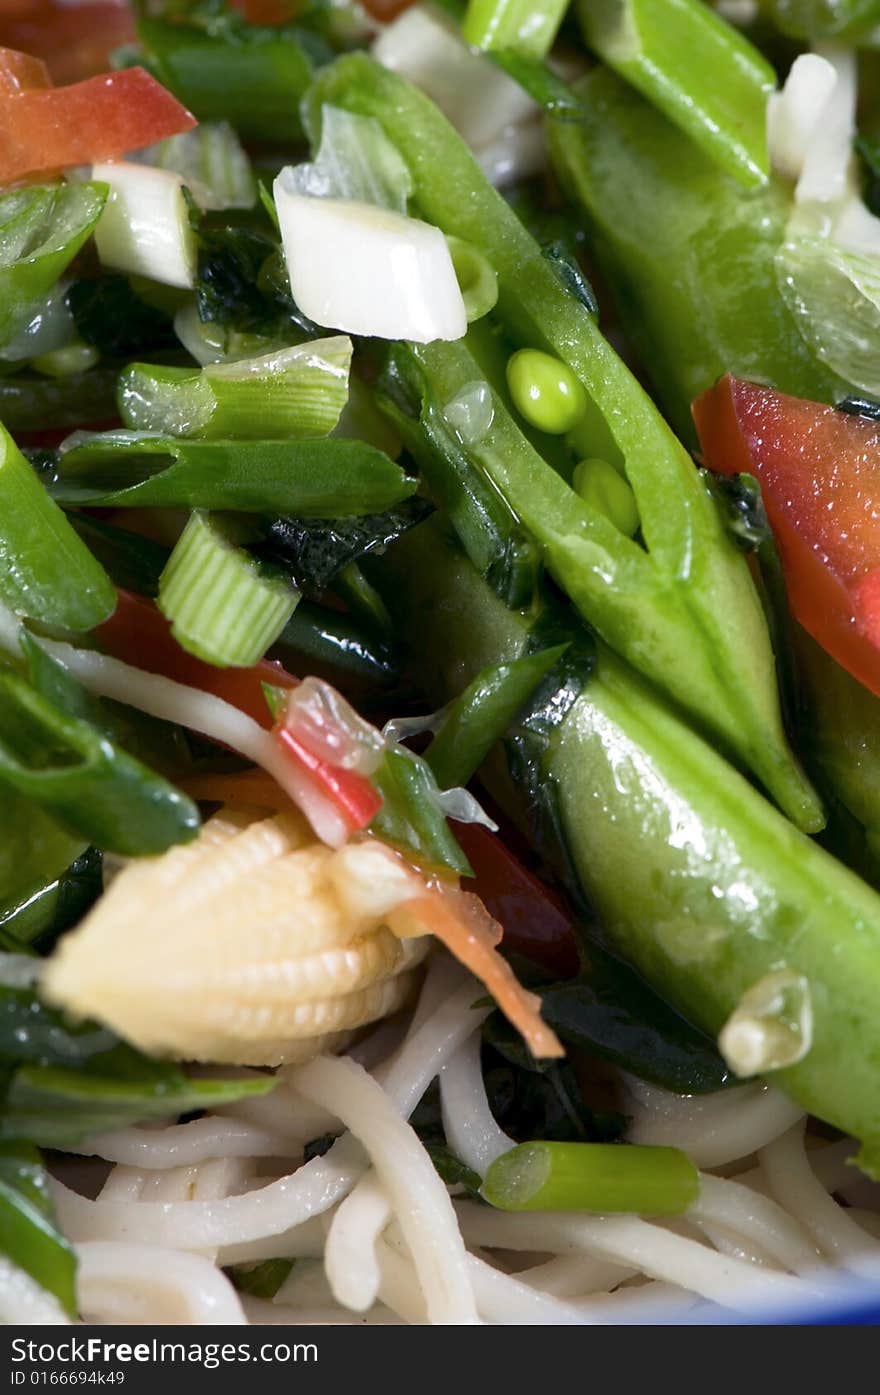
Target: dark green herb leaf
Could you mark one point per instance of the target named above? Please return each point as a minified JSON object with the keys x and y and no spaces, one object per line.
{"x":261,"y":1280}
{"x":132,"y":561}
{"x":861,"y":407}
{"x":54,"y":750}
{"x":29,"y":402}
{"x":111,"y":317}
{"x":868,"y":151}
{"x":57,"y":1106}
{"x":313,"y":550}
{"x":34,"y":1033}
{"x":739,"y":501}
{"x":561,"y":257}
{"x":38,"y":918}
{"x":452,"y":1170}
{"x":317,"y":1147}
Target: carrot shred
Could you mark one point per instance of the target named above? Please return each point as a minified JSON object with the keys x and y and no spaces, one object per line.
{"x":461,"y":922}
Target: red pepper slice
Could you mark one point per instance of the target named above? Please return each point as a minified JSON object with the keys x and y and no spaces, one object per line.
{"x":356,"y":798}
{"x":75,"y":41}
{"x":535,"y":921}
{"x":819,"y":470}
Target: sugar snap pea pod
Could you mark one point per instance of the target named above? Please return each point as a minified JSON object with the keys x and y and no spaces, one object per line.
{"x":693,"y":258}
{"x":621,"y":588}
{"x":680,"y":524}
{"x":698,"y":69}
{"x":699,"y":881}
{"x":824,"y":19}
{"x":227,"y":70}
{"x":689,"y":252}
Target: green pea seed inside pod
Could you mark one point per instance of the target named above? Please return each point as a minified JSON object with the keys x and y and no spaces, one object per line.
{"x":545,"y":391}
{"x":599,"y":484}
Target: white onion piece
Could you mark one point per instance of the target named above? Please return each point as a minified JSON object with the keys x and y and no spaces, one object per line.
{"x":793,"y":114}
{"x":479,"y":99}
{"x":368,"y":270}
{"x":144,"y":229}
{"x":402,"y":728}
{"x":824,"y":176}
{"x":471,"y":412}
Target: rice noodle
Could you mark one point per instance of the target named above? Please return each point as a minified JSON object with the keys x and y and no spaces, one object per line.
{"x":747,"y":1213}
{"x":23,"y":1301}
{"x":184,"y":1144}
{"x":652,"y":1250}
{"x":468,"y":1122}
{"x":793,"y":1181}
{"x":712,"y":1129}
{"x":118,"y":1282}
{"x":418,"y":1195}
{"x":350,"y":1258}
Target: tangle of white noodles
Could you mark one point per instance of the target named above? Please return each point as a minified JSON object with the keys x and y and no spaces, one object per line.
{"x":468,"y":1122}
{"x":576,"y":1276}
{"x":193,"y":1188}
{"x":748,"y":1214}
{"x":791,"y":1178}
{"x":23,"y":1301}
{"x":414,"y":1187}
{"x":279,"y":1208}
{"x":712,"y":1129}
{"x":188,"y":707}
{"x":118,"y":1282}
{"x":649,"y":1248}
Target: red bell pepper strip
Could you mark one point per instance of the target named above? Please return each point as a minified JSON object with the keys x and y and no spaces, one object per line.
{"x":50,"y":128}
{"x":535,"y":921}
{"x":819,"y":470}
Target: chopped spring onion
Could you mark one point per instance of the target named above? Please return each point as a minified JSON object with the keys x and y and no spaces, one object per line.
{"x":480,"y":100}
{"x":321,"y":478}
{"x":519,"y":25}
{"x":599,"y":484}
{"x":68,"y":360}
{"x":290,"y":394}
{"x":600,"y":1177}
{"x":699,"y":70}
{"x":42,"y":227}
{"x":355,"y":160}
{"x":771,"y":1026}
{"x":477,"y":279}
{"x":212,"y":161}
{"x":47,"y":572}
{"x":368,"y":270}
{"x":223,"y":608}
{"x":145,"y":227}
